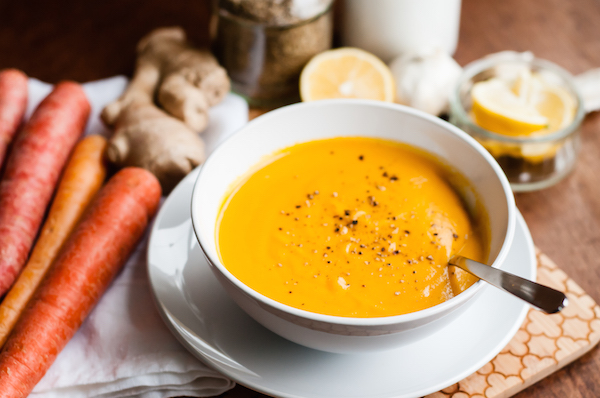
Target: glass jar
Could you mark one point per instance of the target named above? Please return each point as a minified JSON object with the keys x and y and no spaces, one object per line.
{"x":264,"y":50}
{"x":532,"y":161}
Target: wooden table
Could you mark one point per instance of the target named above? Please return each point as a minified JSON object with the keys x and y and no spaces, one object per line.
{"x":87,"y":40}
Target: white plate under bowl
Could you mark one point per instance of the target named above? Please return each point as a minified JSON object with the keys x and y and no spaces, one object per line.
{"x":213,"y":328}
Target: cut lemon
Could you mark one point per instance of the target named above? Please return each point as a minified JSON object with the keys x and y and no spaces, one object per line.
{"x":533,"y":106}
{"x":534,"y":152}
{"x":549,"y":98}
{"x":557,"y":104}
{"x":346,"y":73}
{"x":496,"y":108}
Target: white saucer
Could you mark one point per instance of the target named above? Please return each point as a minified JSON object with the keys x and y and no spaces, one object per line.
{"x":214,"y":329}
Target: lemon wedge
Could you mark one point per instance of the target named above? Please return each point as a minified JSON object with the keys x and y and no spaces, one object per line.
{"x":346,"y":73}
{"x":557,"y":104}
{"x":497,"y":108}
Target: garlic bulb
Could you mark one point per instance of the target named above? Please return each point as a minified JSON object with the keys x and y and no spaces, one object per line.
{"x":425,"y":79}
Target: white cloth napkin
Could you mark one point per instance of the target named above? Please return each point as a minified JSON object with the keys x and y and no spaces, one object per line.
{"x":124,"y":349}
{"x":588,"y":84}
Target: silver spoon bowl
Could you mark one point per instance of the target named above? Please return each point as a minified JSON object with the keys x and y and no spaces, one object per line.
{"x":541,"y":297}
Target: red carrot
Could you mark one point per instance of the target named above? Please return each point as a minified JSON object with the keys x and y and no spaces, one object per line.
{"x":13,"y":102}
{"x":93,"y":255}
{"x":82,"y":178}
{"x":33,"y":167}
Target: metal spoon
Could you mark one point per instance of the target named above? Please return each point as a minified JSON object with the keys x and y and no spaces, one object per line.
{"x":540,"y":296}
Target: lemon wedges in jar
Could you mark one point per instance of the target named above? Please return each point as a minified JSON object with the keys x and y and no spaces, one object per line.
{"x":530,"y":106}
{"x":533,"y":105}
{"x":346,"y":73}
{"x":496,"y":108}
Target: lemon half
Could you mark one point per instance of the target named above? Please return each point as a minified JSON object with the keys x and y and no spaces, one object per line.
{"x":346,"y":73}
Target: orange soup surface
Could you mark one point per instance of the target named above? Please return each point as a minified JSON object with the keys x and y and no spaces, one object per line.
{"x":353,"y":227}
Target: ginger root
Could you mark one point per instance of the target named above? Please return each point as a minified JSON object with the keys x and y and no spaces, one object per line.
{"x":145,"y":136}
{"x":186,"y":82}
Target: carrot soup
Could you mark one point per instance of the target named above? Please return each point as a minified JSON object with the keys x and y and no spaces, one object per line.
{"x":351,"y":226}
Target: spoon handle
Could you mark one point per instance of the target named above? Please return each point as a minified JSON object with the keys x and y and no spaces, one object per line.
{"x":540,"y":296}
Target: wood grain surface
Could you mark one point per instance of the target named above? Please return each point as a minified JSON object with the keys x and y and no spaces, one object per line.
{"x":88,"y":40}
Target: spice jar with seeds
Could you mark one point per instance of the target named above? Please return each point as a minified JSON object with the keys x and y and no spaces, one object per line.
{"x":264,"y":44}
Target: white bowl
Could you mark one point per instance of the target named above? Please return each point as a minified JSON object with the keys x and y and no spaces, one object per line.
{"x":333,"y":118}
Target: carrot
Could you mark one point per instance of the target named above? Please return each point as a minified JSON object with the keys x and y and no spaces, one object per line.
{"x":92,"y":256}
{"x":33,"y":167}
{"x":13,"y":103}
{"x":82,"y":178}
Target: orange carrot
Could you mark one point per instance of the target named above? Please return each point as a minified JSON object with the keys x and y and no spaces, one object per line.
{"x":92,"y":256}
{"x":81,"y":179}
{"x":39,"y":154}
{"x":13,"y":103}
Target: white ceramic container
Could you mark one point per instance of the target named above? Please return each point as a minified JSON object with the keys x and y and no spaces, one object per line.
{"x":333,"y":118}
{"x":388,"y":28}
